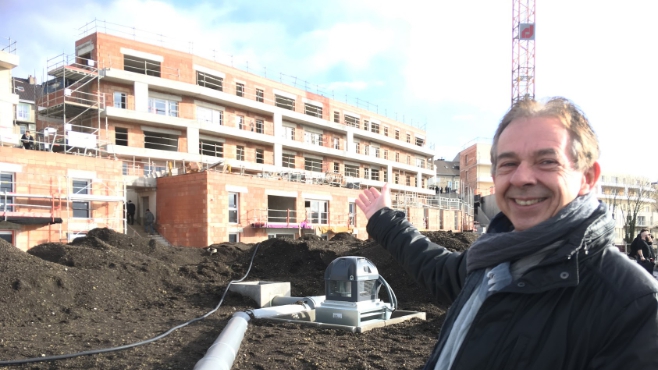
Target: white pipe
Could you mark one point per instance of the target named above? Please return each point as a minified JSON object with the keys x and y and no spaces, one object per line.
{"x":222,"y":353}
{"x":263,"y":313}
{"x":313,"y":301}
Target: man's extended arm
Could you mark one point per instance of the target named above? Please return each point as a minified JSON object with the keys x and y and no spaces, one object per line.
{"x":432,"y":266}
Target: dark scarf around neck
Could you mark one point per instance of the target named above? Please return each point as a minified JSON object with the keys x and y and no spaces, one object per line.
{"x":500,"y":244}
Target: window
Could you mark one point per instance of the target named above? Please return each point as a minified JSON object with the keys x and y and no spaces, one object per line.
{"x":408,"y":138}
{"x":7,"y":236}
{"x":313,"y":138}
{"x":456,"y":220}
{"x":233,"y":238}
{"x":6,"y":185}
{"x":420,"y":162}
{"x":289,"y":132}
{"x":374,"y":127}
{"x":233,"y":208}
{"x":385,"y":153}
{"x":121,"y":136}
{"x":239,"y":153}
{"x":209,"y":81}
{"x":366,"y":124}
{"x":283,"y":102}
{"x":366,"y":173}
{"x":420,"y":141}
{"x":141,"y":65}
{"x":163,"y":107}
{"x":317,"y":211}
{"x":160,"y":141}
{"x":239,"y":89}
{"x":397,"y":178}
{"x":375,"y":151}
{"x":80,"y":209}
{"x":336,"y":117}
{"x":366,"y":149}
{"x":288,"y":160}
{"x":313,"y":110}
{"x":260,"y":96}
{"x":352,"y":171}
{"x":211,"y":148}
{"x":374,"y":174}
{"x":408,"y":183}
{"x":397,"y":157}
{"x":357,"y":148}
{"x":385,"y":130}
{"x":409,"y":160}
{"x":23,"y":112}
{"x":641,"y":220}
{"x":336,"y":143}
{"x":259,"y":126}
{"x":208,"y":115}
{"x":351,"y":121}
{"x":385,"y":172}
{"x":351,"y":214}
{"x":260,"y":156}
{"x":397,"y":134}
{"x":312,"y":164}
{"x":336,"y":167}
{"x":119,"y":100}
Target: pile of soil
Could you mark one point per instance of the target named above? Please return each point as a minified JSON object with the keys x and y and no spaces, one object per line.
{"x":109,"y":289}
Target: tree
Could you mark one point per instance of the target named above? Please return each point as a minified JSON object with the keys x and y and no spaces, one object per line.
{"x":628,"y":199}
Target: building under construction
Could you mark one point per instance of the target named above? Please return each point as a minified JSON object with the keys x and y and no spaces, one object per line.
{"x":216,"y":152}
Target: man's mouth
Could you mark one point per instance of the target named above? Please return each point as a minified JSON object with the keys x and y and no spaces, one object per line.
{"x":528,"y":202}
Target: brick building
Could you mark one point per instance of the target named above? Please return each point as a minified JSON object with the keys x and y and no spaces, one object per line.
{"x":221,"y":154}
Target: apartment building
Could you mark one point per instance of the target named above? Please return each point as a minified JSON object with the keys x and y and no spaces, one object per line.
{"x":447,"y":176}
{"x":475,"y":168}
{"x":8,"y":98}
{"x":218,"y":153}
{"x":623,"y":193}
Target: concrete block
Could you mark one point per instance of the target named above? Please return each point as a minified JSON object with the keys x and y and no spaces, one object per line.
{"x":262,"y":291}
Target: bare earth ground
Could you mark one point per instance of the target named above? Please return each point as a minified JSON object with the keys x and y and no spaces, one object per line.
{"x":109,"y":289}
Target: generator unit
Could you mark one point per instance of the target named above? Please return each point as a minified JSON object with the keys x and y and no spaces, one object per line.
{"x":352,"y":287}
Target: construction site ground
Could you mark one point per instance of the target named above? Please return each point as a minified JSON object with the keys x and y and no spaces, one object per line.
{"x":110,"y":289}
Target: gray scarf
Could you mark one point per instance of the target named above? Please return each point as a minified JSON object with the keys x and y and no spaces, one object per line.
{"x":501,"y":245}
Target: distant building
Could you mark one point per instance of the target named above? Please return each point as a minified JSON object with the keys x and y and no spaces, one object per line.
{"x":8,"y":98}
{"x":447,"y":175}
{"x":475,"y":168}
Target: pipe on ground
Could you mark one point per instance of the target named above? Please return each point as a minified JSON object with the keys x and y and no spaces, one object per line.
{"x":222,"y":353}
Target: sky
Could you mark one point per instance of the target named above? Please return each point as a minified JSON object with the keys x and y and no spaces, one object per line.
{"x":444,"y":66}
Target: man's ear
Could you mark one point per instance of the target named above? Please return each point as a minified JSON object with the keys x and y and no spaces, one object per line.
{"x":590,"y":178}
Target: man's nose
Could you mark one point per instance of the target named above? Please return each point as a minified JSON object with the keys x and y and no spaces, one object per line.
{"x":523,"y":175}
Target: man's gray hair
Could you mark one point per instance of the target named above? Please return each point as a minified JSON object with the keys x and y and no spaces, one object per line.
{"x":584,"y":143}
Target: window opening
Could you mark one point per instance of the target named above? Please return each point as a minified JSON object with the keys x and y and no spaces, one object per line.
{"x":121,"y":136}
{"x":209,"y":81}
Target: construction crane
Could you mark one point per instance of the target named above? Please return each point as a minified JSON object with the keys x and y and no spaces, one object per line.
{"x":523,"y":50}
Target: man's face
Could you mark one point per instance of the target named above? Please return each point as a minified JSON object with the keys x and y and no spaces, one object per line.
{"x":534,"y":176}
{"x":644,"y":235}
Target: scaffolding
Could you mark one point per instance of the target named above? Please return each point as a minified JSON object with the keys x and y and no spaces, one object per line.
{"x":76,"y":209}
{"x":72,"y":99}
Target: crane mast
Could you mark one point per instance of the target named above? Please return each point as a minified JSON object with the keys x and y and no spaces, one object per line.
{"x":523,"y":50}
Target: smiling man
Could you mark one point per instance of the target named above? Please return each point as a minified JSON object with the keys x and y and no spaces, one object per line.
{"x":544,"y":288}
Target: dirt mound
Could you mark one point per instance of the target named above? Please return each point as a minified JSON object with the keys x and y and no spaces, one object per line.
{"x":108,"y":289}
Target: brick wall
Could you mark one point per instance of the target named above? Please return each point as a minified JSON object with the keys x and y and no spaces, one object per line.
{"x":45,"y":173}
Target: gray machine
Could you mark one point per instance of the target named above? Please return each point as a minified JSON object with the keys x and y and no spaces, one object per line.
{"x":352,"y":287}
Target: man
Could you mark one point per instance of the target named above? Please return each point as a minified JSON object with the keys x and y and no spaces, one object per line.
{"x":544,"y":288}
{"x":149,"y":218}
{"x":27,"y":140}
{"x":642,"y":250}
{"x":130,"y":211}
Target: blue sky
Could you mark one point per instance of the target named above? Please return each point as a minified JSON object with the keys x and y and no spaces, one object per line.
{"x":442,"y":64}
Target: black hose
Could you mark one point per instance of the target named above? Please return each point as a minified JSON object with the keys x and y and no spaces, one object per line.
{"x":113,"y":349}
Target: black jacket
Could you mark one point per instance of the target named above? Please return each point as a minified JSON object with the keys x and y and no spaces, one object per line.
{"x":640,"y":244}
{"x":595,"y":310}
